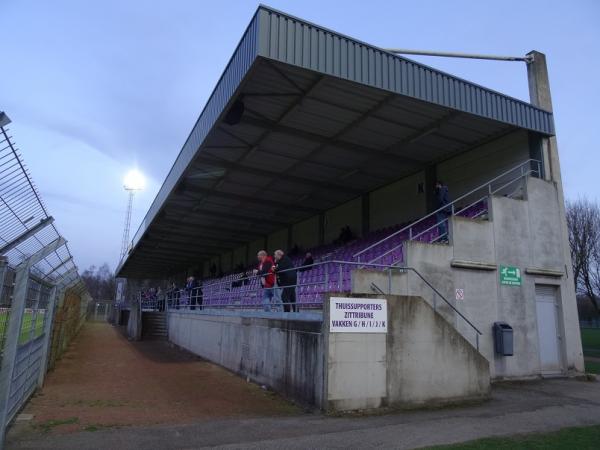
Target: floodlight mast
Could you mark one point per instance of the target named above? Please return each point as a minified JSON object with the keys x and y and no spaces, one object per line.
{"x":133,"y":182}
{"x":125,"y":242}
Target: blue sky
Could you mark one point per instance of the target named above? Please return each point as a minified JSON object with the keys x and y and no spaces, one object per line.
{"x":97,"y":87}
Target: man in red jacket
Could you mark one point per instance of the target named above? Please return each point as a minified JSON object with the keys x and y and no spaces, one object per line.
{"x":267,"y":278}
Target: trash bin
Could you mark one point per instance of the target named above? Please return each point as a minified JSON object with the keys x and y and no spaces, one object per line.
{"x":503,"y":338}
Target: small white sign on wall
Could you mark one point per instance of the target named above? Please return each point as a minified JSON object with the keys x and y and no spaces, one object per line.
{"x":357,"y":315}
{"x":460,"y":294}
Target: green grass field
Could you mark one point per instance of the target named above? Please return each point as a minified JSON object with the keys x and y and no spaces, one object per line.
{"x":580,"y":438}
{"x":26,"y":327}
{"x":590,"y":340}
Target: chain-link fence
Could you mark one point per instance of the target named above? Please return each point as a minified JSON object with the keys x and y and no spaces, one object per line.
{"x":43,"y":300}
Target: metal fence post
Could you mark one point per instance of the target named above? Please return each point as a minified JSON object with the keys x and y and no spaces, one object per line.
{"x":47,"y":335}
{"x":11,"y":343}
{"x":3,"y":270}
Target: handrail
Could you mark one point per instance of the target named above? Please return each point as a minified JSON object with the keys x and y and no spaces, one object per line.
{"x":462,"y":197}
{"x":455,"y":213}
{"x":358,"y":265}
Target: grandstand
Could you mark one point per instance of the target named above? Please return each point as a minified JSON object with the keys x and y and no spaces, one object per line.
{"x":309,"y":131}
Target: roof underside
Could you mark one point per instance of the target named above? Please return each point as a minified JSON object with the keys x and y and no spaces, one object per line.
{"x":307,"y":141}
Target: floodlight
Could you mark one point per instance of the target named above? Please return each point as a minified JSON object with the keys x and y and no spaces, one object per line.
{"x":134,"y":181}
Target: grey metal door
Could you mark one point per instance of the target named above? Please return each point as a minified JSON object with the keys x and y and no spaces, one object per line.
{"x":548,"y":330}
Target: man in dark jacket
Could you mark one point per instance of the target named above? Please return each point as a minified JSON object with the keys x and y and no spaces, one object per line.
{"x":287,"y":279}
{"x":442,"y":199}
{"x":194,"y":293}
{"x":308,"y":261}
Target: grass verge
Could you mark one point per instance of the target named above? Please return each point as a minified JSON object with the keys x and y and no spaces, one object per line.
{"x":580,"y":438}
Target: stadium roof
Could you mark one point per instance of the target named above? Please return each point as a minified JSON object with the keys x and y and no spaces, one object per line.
{"x":302,"y":120}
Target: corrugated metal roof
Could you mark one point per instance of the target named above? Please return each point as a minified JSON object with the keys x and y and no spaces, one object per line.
{"x":317,"y":106}
{"x":294,"y":41}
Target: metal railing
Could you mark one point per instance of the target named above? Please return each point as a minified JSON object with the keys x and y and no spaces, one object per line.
{"x":37,"y":271}
{"x":224,"y":297}
{"x":419,"y":229}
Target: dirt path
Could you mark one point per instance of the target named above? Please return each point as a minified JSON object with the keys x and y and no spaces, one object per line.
{"x":515,"y":408}
{"x":105,"y":381}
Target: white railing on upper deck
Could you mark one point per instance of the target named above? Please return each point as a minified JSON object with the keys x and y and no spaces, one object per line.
{"x":416,"y":230}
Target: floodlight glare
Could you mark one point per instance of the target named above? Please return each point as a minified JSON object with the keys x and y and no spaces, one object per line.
{"x":134,"y":180}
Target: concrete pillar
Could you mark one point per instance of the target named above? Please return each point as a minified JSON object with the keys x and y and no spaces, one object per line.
{"x":430,"y":178}
{"x":321,"y":228}
{"x":539,"y":94}
{"x":366,"y":214}
{"x":290,"y":238}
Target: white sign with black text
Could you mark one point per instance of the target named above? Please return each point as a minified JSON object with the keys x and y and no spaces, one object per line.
{"x":357,"y":315}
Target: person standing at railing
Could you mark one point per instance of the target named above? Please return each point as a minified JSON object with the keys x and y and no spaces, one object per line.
{"x":267,"y":278}
{"x":190,"y":288}
{"x":442,"y":199}
{"x":308,"y":261}
{"x":286,"y":279}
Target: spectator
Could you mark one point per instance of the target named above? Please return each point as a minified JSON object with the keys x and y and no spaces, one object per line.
{"x":442,"y":199}
{"x":160,"y":299}
{"x":174,"y":295}
{"x":267,"y":278}
{"x":346,"y":235}
{"x":308,"y":261}
{"x":191,"y":289}
{"x":287,"y":279}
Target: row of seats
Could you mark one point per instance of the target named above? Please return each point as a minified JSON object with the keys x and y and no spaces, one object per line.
{"x":237,"y":289}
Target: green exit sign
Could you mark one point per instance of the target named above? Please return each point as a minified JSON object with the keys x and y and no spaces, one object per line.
{"x":510,"y":275}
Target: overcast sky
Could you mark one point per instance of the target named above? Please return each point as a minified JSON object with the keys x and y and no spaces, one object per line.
{"x":95,"y":88}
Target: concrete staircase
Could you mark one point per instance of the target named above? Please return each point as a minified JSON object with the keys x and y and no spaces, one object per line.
{"x":154,"y":325}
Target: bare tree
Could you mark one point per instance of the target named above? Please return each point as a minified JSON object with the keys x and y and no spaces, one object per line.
{"x":100,"y":282}
{"x":583,"y":221}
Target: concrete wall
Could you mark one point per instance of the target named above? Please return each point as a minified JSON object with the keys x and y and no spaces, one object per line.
{"x":285,"y":355}
{"x":523,"y":234}
{"x":240,"y":255}
{"x":475,"y":167}
{"x":254,"y":247}
{"x":398,"y":202}
{"x":306,"y":233}
{"x":422,"y":360}
{"x":429,"y":362}
{"x":349,"y":213}
{"x":278,"y":240}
